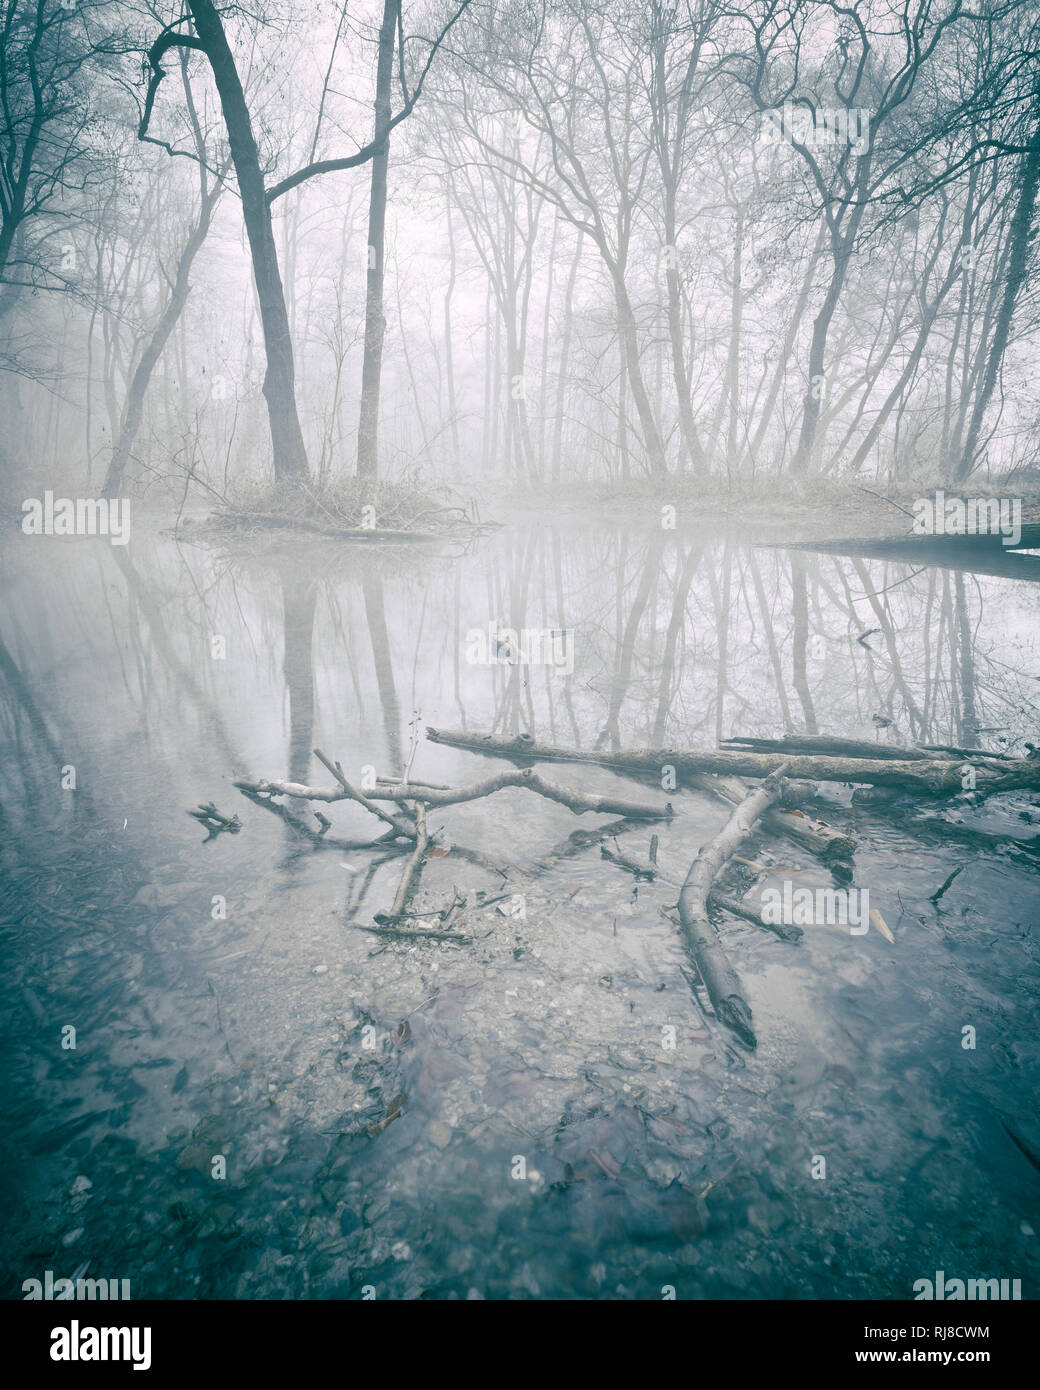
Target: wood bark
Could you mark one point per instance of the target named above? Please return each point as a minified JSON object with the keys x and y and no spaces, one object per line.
{"x":290,"y":454}
{"x":699,"y":935}
{"x":938,"y":778}
{"x":375,"y":320}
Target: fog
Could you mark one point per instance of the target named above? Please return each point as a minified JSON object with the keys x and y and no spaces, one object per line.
{"x":518,"y":683}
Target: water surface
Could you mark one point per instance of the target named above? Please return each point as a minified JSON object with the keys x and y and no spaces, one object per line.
{"x":374,"y":1101}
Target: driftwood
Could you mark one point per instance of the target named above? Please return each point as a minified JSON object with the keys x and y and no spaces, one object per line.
{"x":256,"y":792}
{"x":924,"y":776}
{"x":832,"y":846}
{"x":730,"y":903}
{"x":413,"y":867}
{"x":402,"y":826}
{"x":859,"y":748}
{"x":699,"y":935}
{"x":630,"y":866}
{"x":578,"y":802}
{"x":208,"y":815}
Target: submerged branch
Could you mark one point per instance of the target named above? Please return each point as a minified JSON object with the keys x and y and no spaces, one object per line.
{"x":699,"y":935}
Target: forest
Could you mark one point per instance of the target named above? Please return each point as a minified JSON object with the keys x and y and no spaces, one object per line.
{"x":519,"y":706}
{"x":575,"y":243}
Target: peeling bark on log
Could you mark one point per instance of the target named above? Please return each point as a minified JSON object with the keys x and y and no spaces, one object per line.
{"x":924,"y":776}
{"x":833,"y":847}
{"x":699,"y":934}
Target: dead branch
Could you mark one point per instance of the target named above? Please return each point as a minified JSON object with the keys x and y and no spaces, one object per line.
{"x":578,"y":802}
{"x":256,"y":792}
{"x":402,"y":826}
{"x":699,"y":935}
{"x":925,"y":776}
{"x":208,"y":815}
{"x":739,"y":908}
{"x":413,"y":868}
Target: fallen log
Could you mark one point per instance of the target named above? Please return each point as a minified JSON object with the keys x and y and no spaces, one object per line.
{"x":630,"y":866}
{"x":320,"y":839}
{"x":830,"y":745}
{"x":831,"y":846}
{"x":739,"y":908}
{"x":402,"y":826}
{"x":413,"y":867}
{"x":924,"y":776}
{"x":529,"y":780}
{"x":859,"y":748}
{"x":699,"y":935}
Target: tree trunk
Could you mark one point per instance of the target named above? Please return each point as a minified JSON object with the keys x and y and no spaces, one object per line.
{"x":290,"y":454}
{"x":1021,"y":239}
{"x":133,"y":411}
{"x":375,"y":322}
{"x":652,"y":441}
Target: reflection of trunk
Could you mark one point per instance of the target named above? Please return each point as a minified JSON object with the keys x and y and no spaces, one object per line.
{"x":968,"y":731}
{"x":1018,"y":260}
{"x":22,"y":692}
{"x":774,"y":651}
{"x":375,"y":322}
{"x":675,"y":626}
{"x":800,"y":639}
{"x":298,"y":598}
{"x":913,"y":711}
{"x":372,"y":587}
{"x":184,"y":675}
{"x":290,"y":454}
{"x":626,"y":647}
{"x":133,"y":410}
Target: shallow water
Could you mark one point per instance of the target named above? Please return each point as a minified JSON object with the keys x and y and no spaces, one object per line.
{"x":508,"y":1117}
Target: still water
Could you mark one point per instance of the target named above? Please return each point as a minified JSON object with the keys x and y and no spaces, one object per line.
{"x":265,"y":1100}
